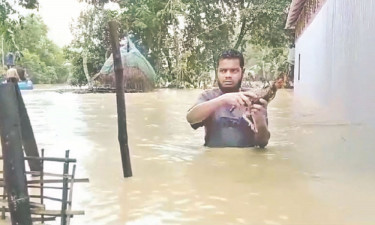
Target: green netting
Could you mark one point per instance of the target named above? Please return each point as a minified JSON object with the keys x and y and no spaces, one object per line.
{"x":133,"y":58}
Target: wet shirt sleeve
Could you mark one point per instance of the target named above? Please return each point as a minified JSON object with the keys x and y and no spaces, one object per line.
{"x":203,"y":97}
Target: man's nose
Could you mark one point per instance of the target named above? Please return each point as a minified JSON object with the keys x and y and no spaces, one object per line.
{"x":228,"y":74}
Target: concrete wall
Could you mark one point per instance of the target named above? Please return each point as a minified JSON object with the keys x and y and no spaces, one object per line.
{"x":335,"y":62}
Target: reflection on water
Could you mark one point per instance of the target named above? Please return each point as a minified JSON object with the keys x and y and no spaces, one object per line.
{"x":309,"y":173}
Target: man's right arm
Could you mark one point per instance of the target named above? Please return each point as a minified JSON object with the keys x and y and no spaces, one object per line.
{"x":203,"y":110}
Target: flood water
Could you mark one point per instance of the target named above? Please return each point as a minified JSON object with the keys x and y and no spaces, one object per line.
{"x":312,"y":172}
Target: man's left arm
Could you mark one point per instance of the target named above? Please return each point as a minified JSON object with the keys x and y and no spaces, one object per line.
{"x":259,"y":114}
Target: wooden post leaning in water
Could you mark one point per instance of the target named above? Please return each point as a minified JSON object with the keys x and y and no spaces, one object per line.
{"x":28,"y":139}
{"x":120,"y":96}
{"x":14,"y":165}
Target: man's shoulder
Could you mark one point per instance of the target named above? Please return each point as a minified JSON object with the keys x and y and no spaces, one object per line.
{"x":212,"y":90}
{"x":211,"y":93}
{"x":12,"y":70}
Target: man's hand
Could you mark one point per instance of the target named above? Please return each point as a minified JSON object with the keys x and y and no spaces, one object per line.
{"x":237,"y":99}
{"x":259,"y":114}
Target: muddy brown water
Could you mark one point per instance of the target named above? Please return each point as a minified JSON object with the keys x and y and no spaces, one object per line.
{"x":312,"y":172}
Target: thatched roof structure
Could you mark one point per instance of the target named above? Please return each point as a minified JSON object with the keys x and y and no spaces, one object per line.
{"x":138,"y":72}
{"x":134,"y":80}
{"x":301,"y":14}
{"x":294,"y":12}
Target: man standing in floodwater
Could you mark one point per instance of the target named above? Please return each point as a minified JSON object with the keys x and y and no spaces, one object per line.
{"x":220,"y":110}
{"x":12,"y":75}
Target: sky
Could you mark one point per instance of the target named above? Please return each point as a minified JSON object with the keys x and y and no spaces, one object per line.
{"x":57,"y":15}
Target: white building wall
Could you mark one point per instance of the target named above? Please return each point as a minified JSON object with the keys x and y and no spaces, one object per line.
{"x":335,"y":62}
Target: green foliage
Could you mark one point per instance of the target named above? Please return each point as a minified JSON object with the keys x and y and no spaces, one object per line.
{"x":42,"y":59}
{"x":29,"y":4}
{"x":182,"y":38}
{"x":91,"y":40}
{"x":6,"y":8}
{"x":96,"y":2}
{"x":27,"y":36}
{"x":267,"y":63}
{"x":78,"y":76}
{"x":268,"y":22}
{"x":7,"y":24}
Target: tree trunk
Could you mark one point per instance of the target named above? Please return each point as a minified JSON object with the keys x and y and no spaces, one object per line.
{"x":215,"y":68}
{"x":243,"y":27}
{"x":169,"y":63}
{"x":85,"y":69}
{"x":241,"y":35}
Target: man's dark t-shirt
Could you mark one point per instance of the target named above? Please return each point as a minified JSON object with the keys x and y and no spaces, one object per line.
{"x":224,"y":128}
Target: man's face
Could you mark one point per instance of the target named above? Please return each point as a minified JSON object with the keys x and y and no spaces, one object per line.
{"x":229,"y":75}
{"x":279,"y":83}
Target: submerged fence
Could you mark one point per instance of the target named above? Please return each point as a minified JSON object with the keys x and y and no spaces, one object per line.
{"x":17,"y":137}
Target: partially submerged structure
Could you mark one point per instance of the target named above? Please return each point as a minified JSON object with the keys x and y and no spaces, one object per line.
{"x":138,"y":72}
{"x":17,"y":138}
{"x":334,"y":54}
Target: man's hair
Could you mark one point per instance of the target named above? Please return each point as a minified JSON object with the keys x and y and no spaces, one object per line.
{"x":231,"y":54}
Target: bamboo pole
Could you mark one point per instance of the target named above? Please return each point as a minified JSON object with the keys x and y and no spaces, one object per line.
{"x":14,"y":166}
{"x":64,"y":202}
{"x":55,"y":213}
{"x":70,"y":197}
{"x":3,"y":208}
{"x":52,"y":181}
{"x":41,"y":183}
{"x":120,"y":96}
{"x":50,"y":159}
{"x":2,"y":50}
